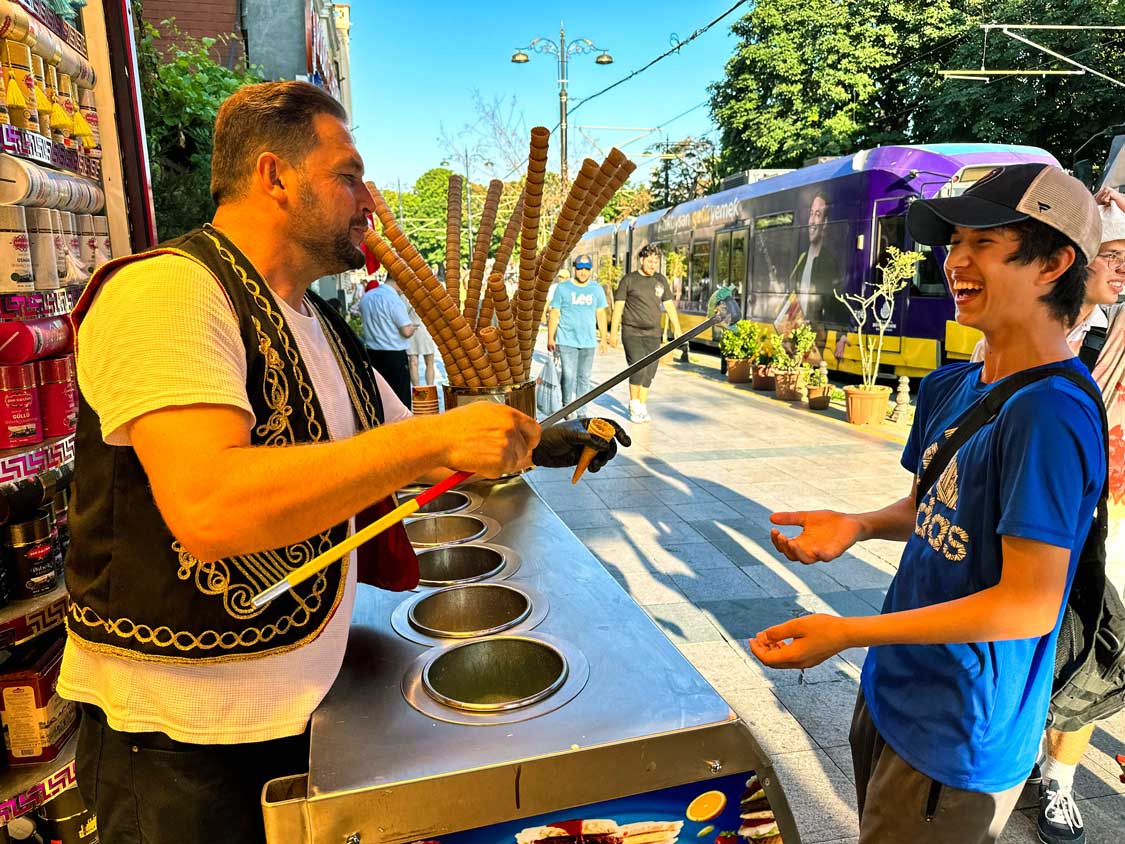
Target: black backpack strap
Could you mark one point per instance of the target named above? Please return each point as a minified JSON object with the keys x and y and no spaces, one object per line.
{"x":987,"y":408}
{"x":1092,"y":346}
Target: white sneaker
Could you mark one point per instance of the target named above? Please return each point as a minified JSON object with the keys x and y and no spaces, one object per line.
{"x":644,"y":414}
{"x":636,"y":411}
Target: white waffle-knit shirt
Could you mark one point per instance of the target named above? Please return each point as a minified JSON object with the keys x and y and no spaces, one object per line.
{"x":161,"y":333}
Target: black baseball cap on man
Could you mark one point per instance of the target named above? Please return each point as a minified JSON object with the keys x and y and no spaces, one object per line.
{"x":1010,"y":195}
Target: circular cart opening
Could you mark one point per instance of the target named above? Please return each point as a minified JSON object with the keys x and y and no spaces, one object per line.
{"x":478,"y":609}
{"x":445,"y":530}
{"x":448,"y":502}
{"x":458,"y":564}
{"x":495,"y":675}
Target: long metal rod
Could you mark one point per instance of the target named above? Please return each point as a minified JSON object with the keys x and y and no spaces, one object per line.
{"x":606,"y":386}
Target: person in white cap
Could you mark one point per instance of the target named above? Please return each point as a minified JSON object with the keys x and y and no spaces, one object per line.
{"x":1060,"y":820}
{"x":958,"y":677}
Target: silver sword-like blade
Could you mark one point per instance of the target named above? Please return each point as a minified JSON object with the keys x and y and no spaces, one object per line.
{"x":605,"y":386}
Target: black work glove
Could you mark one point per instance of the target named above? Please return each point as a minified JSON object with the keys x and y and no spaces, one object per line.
{"x":561,"y":445}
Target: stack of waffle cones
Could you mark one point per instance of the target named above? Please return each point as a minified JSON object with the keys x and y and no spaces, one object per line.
{"x":488,"y":341}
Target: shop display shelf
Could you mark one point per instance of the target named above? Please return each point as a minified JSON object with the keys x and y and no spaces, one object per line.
{"x":39,"y":304}
{"x":22,"y":621}
{"x":34,"y":147}
{"x":27,"y":787}
{"x":50,"y":19}
{"x":31,"y":462}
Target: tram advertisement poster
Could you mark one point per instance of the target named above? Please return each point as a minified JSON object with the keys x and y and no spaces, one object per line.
{"x":729,"y":810}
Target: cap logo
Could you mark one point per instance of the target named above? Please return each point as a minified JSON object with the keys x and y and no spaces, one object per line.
{"x":1043,"y":206}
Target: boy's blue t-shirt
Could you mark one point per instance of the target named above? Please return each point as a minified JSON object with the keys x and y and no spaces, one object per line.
{"x":971,"y":715}
{"x":578,"y":305}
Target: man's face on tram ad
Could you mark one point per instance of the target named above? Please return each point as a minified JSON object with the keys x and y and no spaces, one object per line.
{"x":329,"y":212}
{"x":818,"y":218}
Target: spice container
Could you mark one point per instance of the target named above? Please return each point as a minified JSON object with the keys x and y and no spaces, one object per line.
{"x":41,"y":237}
{"x":32,"y":339}
{"x":19,"y":407}
{"x":15,"y":252}
{"x":58,"y":396}
{"x":31,"y":558}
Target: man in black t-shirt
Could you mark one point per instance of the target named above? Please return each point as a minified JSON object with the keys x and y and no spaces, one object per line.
{"x":639,"y":300}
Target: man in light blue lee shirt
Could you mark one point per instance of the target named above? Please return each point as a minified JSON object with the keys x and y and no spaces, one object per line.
{"x":576,"y":327}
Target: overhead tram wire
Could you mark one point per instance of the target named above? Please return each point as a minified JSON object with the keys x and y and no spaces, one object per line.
{"x":679,"y":45}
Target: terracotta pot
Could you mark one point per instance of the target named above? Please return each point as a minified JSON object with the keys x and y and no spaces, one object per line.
{"x":787,"y":385}
{"x":820,"y":397}
{"x":738,"y":371}
{"x":762,"y":377}
{"x":867,"y":406}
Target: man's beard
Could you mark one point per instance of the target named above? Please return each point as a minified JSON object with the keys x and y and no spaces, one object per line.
{"x":333,"y":251}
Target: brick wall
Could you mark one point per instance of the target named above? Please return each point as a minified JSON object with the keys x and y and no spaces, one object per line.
{"x":201,"y":18}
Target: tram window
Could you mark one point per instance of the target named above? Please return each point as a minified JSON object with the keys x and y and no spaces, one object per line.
{"x":738,"y":262}
{"x":722,"y":258}
{"x":775,"y":250}
{"x":701,"y":288}
{"x":929,"y":277}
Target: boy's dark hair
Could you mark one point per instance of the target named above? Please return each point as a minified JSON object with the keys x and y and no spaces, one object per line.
{"x":268,"y":116}
{"x":648,"y":249}
{"x":1039,"y":242}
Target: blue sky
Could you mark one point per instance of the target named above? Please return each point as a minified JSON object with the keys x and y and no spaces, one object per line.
{"x":415,"y":67}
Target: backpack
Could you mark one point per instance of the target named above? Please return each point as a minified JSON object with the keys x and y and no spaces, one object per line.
{"x":1089,"y":682}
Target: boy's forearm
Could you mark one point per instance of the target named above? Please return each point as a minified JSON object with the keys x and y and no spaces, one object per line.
{"x":894,"y":522}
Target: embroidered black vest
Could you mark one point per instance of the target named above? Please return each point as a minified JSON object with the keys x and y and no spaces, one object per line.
{"x":134,"y":589}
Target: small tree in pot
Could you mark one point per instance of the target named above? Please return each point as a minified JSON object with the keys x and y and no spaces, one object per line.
{"x":867,"y":404}
{"x":788,"y":357}
{"x":817,"y":388}
{"x":740,"y":345}
{"x":761,"y":375}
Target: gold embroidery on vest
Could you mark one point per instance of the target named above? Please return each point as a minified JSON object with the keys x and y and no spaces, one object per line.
{"x":275,"y":390}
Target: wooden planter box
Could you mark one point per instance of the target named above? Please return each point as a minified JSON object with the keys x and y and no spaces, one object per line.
{"x":787,"y":385}
{"x":738,"y":371}
{"x":762,"y":377}
{"x":820,"y":397}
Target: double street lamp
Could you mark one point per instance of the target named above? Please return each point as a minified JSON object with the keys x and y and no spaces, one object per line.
{"x":562,"y":51}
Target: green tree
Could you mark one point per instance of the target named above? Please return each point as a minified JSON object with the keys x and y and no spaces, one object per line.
{"x":629,"y":201}
{"x":687,"y":170}
{"x":827,"y":77}
{"x":1058,"y":113}
{"x":182,"y":87}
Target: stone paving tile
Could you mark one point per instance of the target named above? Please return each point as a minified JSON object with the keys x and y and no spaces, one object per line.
{"x":718,"y":584}
{"x":773,"y":726}
{"x":586,"y":518}
{"x":644,"y":586}
{"x":841,"y":754}
{"x":698,"y":558}
{"x":742,"y":619}
{"x":722,"y":666}
{"x":781,"y":579}
{"x":646,"y":533}
{"x":823,"y":709}
{"x":641,"y":500}
{"x":703,"y":511}
{"x":565,"y":496}
{"x":820,"y":796}
{"x":616,"y":487}
{"x":1104,"y":818}
{"x":683,"y":622}
{"x":1020,"y":829}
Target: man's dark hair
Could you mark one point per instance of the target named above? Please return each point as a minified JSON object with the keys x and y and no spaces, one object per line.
{"x":266,"y":117}
{"x":648,"y":249}
{"x":820,"y":194}
{"x":1040,"y":242}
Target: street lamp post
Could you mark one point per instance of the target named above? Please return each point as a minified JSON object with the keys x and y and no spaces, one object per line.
{"x":562,"y":51}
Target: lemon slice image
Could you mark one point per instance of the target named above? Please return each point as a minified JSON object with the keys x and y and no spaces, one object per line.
{"x":706,"y":806}
{"x":707,"y":830}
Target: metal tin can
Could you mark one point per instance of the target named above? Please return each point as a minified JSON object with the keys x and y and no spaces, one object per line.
{"x":58,"y":396}
{"x":31,"y":557}
{"x":20,"y":423}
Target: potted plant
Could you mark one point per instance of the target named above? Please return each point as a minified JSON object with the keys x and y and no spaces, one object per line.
{"x":817,"y":388}
{"x":867,"y":403}
{"x":740,"y":345}
{"x":787,"y":364}
{"x":761,"y":375}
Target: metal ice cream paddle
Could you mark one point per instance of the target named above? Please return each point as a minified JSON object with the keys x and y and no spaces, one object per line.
{"x":408,"y":508}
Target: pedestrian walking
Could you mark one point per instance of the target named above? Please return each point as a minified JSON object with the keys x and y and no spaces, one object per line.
{"x":1001,"y":526}
{"x":576,"y":328}
{"x":420,"y":350}
{"x":386,"y":332}
{"x":642,"y":297}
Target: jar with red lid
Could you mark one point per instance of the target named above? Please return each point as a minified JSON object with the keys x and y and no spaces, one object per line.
{"x":58,"y":396}
{"x":20,"y":423}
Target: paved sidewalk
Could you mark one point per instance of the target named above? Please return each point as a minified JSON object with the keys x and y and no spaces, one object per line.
{"x":681,"y":521}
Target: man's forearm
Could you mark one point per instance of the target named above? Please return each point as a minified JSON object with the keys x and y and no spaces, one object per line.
{"x":272,"y":497}
{"x":618,"y":309}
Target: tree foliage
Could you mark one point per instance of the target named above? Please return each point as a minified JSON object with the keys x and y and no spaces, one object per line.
{"x":629,"y":201}
{"x":829,"y":77}
{"x":182,"y":87}
{"x":687,"y":170}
